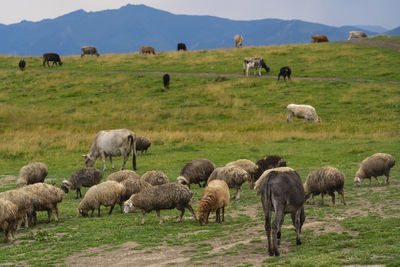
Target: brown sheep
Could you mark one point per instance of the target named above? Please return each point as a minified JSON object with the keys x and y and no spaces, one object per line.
{"x":119,"y":176}
{"x":8,"y":218}
{"x":195,"y":172}
{"x":248,"y":166}
{"x":133,"y":186}
{"x":232,"y":175}
{"x":32,"y":173}
{"x":155,"y":177}
{"x":22,"y":200}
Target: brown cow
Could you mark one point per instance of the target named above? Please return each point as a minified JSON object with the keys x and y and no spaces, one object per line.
{"x":147,"y":50}
{"x":319,"y":39}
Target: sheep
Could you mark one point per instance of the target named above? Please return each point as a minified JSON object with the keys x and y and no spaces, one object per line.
{"x":22,"y":200}
{"x":8,"y":218}
{"x":215,"y":197}
{"x":155,"y":177}
{"x":281,"y":192}
{"x":107,"y":194}
{"x":44,"y":198}
{"x":269,"y":162}
{"x":248,"y":166}
{"x":374,"y":166}
{"x":32,"y":173}
{"x":119,"y":176}
{"x":133,"y":186}
{"x":238,"y":40}
{"x":279,"y":169}
{"x":86,"y":177}
{"x":305,"y":112}
{"x":165,"y":196}
{"x":325,"y":180}
{"x":142,"y":144}
{"x":195,"y":172}
{"x":232,"y":175}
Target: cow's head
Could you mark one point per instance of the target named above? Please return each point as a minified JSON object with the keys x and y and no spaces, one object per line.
{"x":89,"y":160}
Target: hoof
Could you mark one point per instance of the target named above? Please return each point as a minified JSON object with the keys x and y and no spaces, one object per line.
{"x":298,"y":242}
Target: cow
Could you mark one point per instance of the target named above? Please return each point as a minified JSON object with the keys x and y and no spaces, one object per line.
{"x":356,"y":34}
{"x":89,"y":50}
{"x":147,"y":50}
{"x":166,"y":80}
{"x":255,"y":63}
{"x":285,"y":72}
{"x":319,"y":38}
{"x":22,"y":64}
{"x":238,"y":40}
{"x":181,"y":46}
{"x":108,"y":143}
{"x":51,"y":57}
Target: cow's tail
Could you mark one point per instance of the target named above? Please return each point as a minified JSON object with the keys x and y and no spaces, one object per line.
{"x":132,"y":144}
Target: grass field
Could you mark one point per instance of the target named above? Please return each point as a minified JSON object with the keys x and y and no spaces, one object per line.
{"x":53,"y":115}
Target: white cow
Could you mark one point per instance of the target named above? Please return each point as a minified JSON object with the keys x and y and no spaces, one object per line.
{"x":305,"y":112}
{"x":110,"y":143}
{"x":255,"y":63}
{"x":356,"y":34}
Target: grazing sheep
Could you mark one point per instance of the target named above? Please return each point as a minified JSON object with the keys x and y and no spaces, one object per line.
{"x":160,"y":197}
{"x":107,"y":194}
{"x":285,"y":72}
{"x":22,"y":200}
{"x":325,"y":180}
{"x":267,"y":163}
{"x":155,"y":177}
{"x":142,"y":144}
{"x":195,"y":172}
{"x":86,"y":177}
{"x":181,"y":46}
{"x":238,"y":40}
{"x":305,"y":112}
{"x":22,"y":64}
{"x":281,"y":192}
{"x":147,"y":50}
{"x":248,"y":166}
{"x":215,"y":197}
{"x":45,"y":197}
{"x":133,"y":186}
{"x":8,"y":218}
{"x":278,"y":169}
{"x":234,"y":177}
{"x":319,"y":39}
{"x":374,"y":166}
{"x":89,"y":50}
{"x":119,"y":176}
{"x":32,"y":173}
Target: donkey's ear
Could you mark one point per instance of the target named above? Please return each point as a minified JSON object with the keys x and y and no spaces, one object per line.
{"x":84,"y":156}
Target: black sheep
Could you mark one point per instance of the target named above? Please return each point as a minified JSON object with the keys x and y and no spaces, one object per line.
{"x":285,"y":72}
{"x":166,"y":80}
{"x":22,"y":64}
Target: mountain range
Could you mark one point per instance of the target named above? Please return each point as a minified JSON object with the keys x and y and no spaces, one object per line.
{"x":125,"y":29}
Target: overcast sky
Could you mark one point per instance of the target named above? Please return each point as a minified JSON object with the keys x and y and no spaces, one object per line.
{"x":383,"y":13}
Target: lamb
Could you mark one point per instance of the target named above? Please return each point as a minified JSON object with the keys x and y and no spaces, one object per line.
{"x":22,"y":200}
{"x":155,"y":177}
{"x":159,"y":197}
{"x":45,"y":197}
{"x":119,"y":176}
{"x":305,"y":112}
{"x":142,"y":144}
{"x":232,"y":175}
{"x":195,"y":172}
{"x":32,"y":173}
{"x":374,"y":166}
{"x":269,"y":162}
{"x":133,"y":186}
{"x":8,"y":218}
{"x":325,"y":180}
{"x":215,"y":197}
{"x":86,"y":177}
{"x":248,"y":166}
{"x":281,"y":192}
{"x":107,"y":194}
{"x":259,"y":181}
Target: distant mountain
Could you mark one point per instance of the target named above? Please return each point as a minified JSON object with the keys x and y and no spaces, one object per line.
{"x":395,"y":31}
{"x":372,"y":28}
{"x":124,"y":30}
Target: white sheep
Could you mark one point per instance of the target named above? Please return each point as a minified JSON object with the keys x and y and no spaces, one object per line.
{"x":8,"y":218}
{"x":234,"y":176}
{"x":22,"y":200}
{"x":305,"y":112}
{"x":374,"y":166}
{"x":250,"y":167}
{"x":32,"y":173}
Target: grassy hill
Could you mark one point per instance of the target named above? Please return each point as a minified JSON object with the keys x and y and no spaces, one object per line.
{"x":52,"y":115}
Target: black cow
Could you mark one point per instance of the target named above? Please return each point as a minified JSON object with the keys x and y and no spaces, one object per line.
{"x":51,"y":57}
{"x":22,"y":64}
{"x":181,"y":46}
{"x":166,"y":80}
{"x":285,"y":72}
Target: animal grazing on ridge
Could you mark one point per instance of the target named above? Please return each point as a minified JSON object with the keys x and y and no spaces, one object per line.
{"x":215,"y":198}
{"x":195,"y":172}
{"x":166,"y":80}
{"x":47,"y":57}
{"x":32,"y":173}
{"x":120,"y":142}
{"x":281,"y":192}
{"x":374,"y":166}
{"x":285,"y":72}
{"x":86,"y":177}
{"x":22,"y":64}
{"x":255,"y":63}
{"x":238,"y":40}
{"x":305,"y":112}
{"x":147,"y":50}
{"x":89,"y":50}
{"x":181,"y":46}
{"x":325,"y":180}
{"x":319,"y":39}
{"x":356,"y":34}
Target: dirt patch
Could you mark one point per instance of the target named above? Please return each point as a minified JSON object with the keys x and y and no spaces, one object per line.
{"x":7,"y":179}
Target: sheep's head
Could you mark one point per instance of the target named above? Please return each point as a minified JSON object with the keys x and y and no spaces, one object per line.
{"x":203,"y":217}
{"x":83,"y":212}
{"x":65,"y":185}
{"x":89,"y":160}
{"x":129,"y":207}
{"x":318,"y":120}
{"x":357,"y":181}
{"x":183,"y":181}
{"x":21,"y":182}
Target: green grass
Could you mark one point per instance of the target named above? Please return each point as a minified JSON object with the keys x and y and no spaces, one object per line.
{"x":53,"y":115}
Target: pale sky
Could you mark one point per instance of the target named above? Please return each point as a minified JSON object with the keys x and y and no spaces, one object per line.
{"x":385,"y":13}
